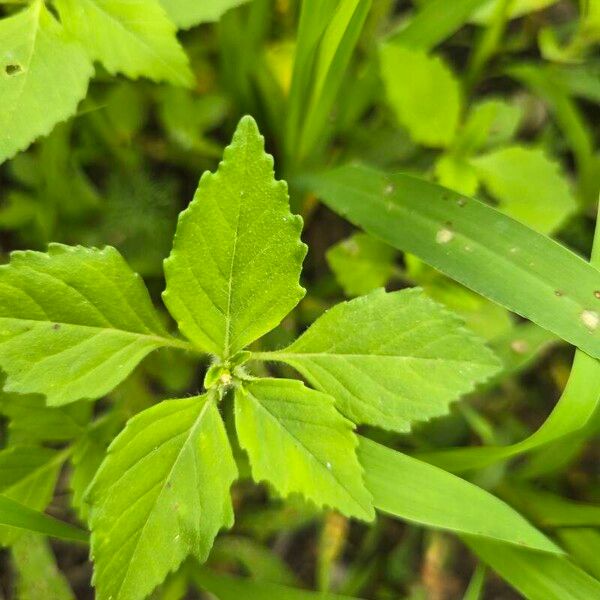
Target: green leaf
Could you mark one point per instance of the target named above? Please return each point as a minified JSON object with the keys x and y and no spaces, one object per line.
{"x":32,"y":421}
{"x":187,"y":13}
{"x":516,"y":8}
{"x":467,"y":240}
{"x":226,"y":587}
{"x":435,"y":21}
{"x":17,"y":515}
{"x":73,"y":322}
{"x":508,"y":174}
{"x":133,"y":37}
{"x":390,"y":359}
{"x":43,"y":76}
{"x":27,"y":475}
{"x":423,"y":92}
{"x":297,"y":440}
{"x":233,"y":273}
{"x":415,"y":491}
{"x":161,"y":494}
{"x":361,"y":264}
{"x":37,"y":573}
{"x":537,"y":576}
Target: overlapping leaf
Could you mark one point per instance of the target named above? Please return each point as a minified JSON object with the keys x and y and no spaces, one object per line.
{"x":134,"y":37}
{"x":390,"y":359}
{"x":233,"y":273}
{"x":44,"y":73}
{"x":73,"y":322}
{"x":187,"y":13}
{"x":297,"y":440}
{"x":161,"y":494}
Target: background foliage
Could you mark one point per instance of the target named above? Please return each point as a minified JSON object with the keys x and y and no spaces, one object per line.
{"x":110,"y":111}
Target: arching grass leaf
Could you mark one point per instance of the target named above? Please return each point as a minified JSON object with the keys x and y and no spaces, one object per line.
{"x":234,"y":270}
{"x":297,"y":440}
{"x":161,"y":494}
{"x":390,"y":359}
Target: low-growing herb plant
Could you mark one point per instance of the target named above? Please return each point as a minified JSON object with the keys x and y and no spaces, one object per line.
{"x":76,"y":321}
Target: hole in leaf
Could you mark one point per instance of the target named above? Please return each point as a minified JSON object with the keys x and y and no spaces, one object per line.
{"x":12,"y":69}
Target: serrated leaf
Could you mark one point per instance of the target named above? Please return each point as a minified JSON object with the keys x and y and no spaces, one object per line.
{"x":297,"y":440}
{"x":233,"y":273}
{"x":38,"y":576}
{"x":390,"y":359}
{"x":73,"y":322}
{"x":44,"y":74}
{"x":529,"y":186}
{"x":187,"y":13}
{"x":361,"y":263}
{"x":133,"y":37}
{"x":28,"y":476}
{"x":423,"y":92}
{"x":161,"y":494}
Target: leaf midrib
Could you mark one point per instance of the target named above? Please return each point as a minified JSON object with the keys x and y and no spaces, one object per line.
{"x":162,"y":341}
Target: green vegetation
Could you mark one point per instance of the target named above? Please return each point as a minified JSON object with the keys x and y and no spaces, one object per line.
{"x":361,"y":360}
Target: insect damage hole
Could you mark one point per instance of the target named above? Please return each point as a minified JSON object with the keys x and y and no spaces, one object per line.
{"x":13,"y":69}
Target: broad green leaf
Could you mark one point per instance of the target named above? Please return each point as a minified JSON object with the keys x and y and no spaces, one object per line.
{"x":390,"y":359}
{"x":37,"y":573}
{"x":17,"y":515}
{"x":536,"y":575}
{"x":73,"y":322}
{"x":133,"y":37}
{"x":508,"y":174}
{"x":423,"y":92}
{"x":27,"y":475}
{"x":361,"y":264}
{"x":413,"y":490}
{"x":233,"y":273}
{"x":32,"y":421}
{"x":534,"y":276}
{"x":161,"y":494}
{"x":44,"y":74}
{"x":187,"y":13}
{"x":226,"y":587}
{"x":297,"y":440}
{"x":435,"y":21}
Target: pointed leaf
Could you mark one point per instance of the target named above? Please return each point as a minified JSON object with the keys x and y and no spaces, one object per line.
{"x":297,"y":440}
{"x":73,"y":322}
{"x":233,"y":273}
{"x":134,"y":37}
{"x":161,"y":494}
{"x":390,"y":359}
{"x":43,"y":75}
